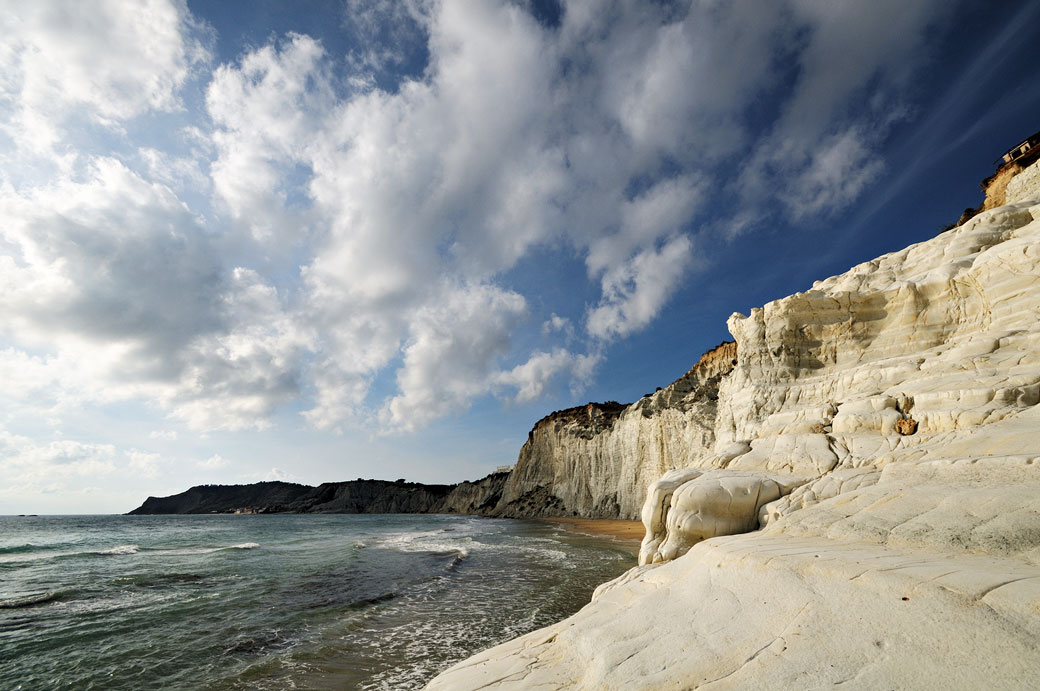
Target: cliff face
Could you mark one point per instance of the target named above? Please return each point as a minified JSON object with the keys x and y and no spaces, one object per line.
{"x":867,"y":513}
{"x":478,"y":497}
{"x":597,"y":460}
{"x":354,"y":496}
{"x":807,"y":382}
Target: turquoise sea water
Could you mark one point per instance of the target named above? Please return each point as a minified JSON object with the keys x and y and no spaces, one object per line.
{"x":277,"y":602}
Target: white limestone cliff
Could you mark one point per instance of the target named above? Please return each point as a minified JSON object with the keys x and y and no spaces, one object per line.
{"x":598,"y":460}
{"x":883,"y":431}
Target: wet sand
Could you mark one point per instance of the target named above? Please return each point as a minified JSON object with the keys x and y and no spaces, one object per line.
{"x":621,"y":530}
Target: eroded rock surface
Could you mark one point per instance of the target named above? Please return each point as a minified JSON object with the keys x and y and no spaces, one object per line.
{"x":895,"y":410}
{"x":687,"y":506}
{"x":597,"y":460}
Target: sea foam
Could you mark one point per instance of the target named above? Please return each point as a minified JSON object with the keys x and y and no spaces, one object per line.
{"x":120,"y":549}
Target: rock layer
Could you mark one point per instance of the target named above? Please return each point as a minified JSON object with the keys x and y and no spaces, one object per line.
{"x":599,"y":459}
{"x":898,"y":402}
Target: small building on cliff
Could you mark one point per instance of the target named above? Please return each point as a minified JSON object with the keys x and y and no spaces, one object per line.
{"x":1024,"y":152}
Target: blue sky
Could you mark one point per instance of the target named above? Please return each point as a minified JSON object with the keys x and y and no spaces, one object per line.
{"x":325,"y":240}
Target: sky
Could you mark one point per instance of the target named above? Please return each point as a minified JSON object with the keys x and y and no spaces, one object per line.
{"x":316,"y":241}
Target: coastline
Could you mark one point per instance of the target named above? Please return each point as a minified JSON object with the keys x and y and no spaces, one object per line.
{"x":864,"y":513}
{"x":622,"y":531}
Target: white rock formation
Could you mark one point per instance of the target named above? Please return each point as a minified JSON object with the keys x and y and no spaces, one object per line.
{"x":687,"y":506}
{"x":598,"y":460}
{"x":884,"y":428}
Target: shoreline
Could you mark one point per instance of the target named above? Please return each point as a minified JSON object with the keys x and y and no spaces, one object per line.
{"x":620,"y":530}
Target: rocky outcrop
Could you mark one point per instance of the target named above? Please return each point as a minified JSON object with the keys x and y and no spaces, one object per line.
{"x":370,"y":496}
{"x":354,"y":496}
{"x":225,"y":498}
{"x":690,"y":505}
{"x":879,"y":436}
{"x":597,"y":460}
{"x":478,"y":497}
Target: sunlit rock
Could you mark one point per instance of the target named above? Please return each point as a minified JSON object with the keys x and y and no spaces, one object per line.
{"x":886,"y":486}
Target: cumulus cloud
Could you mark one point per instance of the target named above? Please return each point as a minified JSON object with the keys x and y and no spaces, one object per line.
{"x":267,"y":109}
{"x":214,"y":462}
{"x":633,"y":291}
{"x":29,"y":466}
{"x":112,"y":256}
{"x":114,"y":279}
{"x":451,"y":354}
{"x":330,"y":221}
{"x":531,"y":378}
{"x":111,"y":60}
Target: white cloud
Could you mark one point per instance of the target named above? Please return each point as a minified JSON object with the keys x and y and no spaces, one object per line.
{"x":557,"y":324}
{"x":267,"y":109}
{"x":532,"y":378}
{"x":355,"y":229}
{"x":277,"y":474}
{"x":854,"y":73}
{"x":451,"y":354}
{"x":28,"y":466}
{"x":176,"y":172}
{"x":116,"y":281}
{"x":143,"y":463}
{"x":635,"y":290}
{"x":214,"y":462}
{"x":387,"y":33}
{"x":235,"y":378}
{"x":837,"y":173}
{"x":111,"y":59}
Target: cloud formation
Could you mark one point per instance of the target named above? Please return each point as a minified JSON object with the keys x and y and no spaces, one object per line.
{"x":337,"y":232}
{"x":107,"y":61}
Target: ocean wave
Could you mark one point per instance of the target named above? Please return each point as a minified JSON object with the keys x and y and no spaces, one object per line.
{"x":401,"y":540}
{"x":184,"y":551}
{"x":120,"y":549}
{"x":192,"y":551}
{"x":17,"y":549}
{"x":29,"y":600}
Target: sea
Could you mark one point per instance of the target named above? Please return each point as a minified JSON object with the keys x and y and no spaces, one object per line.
{"x":229,"y":602}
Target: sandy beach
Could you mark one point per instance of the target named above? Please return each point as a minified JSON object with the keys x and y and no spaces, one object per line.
{"x":621,"y":530}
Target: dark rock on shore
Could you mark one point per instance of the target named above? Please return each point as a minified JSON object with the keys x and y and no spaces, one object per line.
{"x":353,"y":496}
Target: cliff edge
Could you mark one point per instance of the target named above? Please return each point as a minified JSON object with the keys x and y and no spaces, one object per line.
{"x":598,"y":460}
{"x":855,"y":503}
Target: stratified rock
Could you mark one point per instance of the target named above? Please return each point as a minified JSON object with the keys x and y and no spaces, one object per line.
{"x":597,"y":460}
{"x":478,"y":497}
{"x":899,"y":558}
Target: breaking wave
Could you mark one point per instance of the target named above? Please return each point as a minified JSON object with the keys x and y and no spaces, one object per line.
{"x":120,"y":549}
{"x":29,"y":600}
